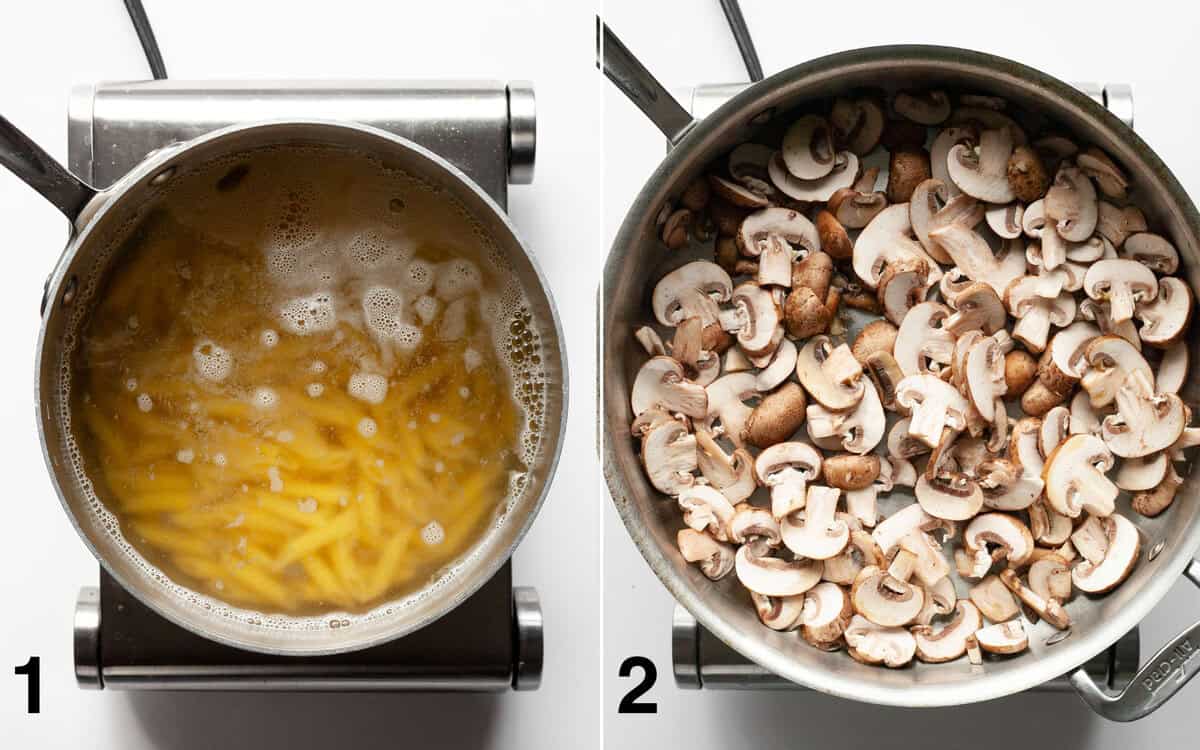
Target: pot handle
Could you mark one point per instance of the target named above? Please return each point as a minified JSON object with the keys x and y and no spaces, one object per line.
{"x":1156,"y":683}
{"x":24,"y":158}
{"x":632,"y":78}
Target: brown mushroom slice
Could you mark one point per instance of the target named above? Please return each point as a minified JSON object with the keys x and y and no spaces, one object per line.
{"x":998,"y":536}
{"x":1075,"y":479}
{"x":1055,"y":149}
{"x":950,"y":496}
{"x":816,"y":533}
{"x":857,"y":124}
{"x":732,"y":474}
{"x":920,"y":339}
{"x":1060,"y":368}
{"x":854,"y":209}
{"x":715,"y":558}
{"x":908,"y":167}
{"x":860,"y":552}
{"x":1124,"y":545}
{"x":786,"y":469}
{"x":948,"y":642}
{"x":669,"y":457}
{"x":984,"y":174}
{"x":931,"y":565}
{"x":935,"y":406}
{"x":736,"y":194}
{"x":662,"y":381}
{"x":1084,"y":419}
{"x":1050,"y":577}
{"x":987,"y":117}
{"x":1071,"y":204}
{"x":748,"y":165}
{"x":706,"y":509}
{"x":1035,"y":313}
{"x":784,"y":223}
{"x":737,"y":361}
{"x":923,"y":107}
{"x":857,"y":431}
{"x":1122,"y":284}
{"x":1142,"y":473}
{"x":807,"y":148}
{"x":1003,"y":638}
{"x":1165,"y":319}
{"x":1100,"y":167}
{"x":1111,"y":360}
{"x":826,"y":613}
{"x":1118,"y":224}
{"x":873,"y":644}
{"x":1145,"y":422}
{"x":902,"y":286}
{"x":778,"y":612}
{"x":754,"y":319}
{"x":876,"y":336}
{"x":1049,"y":610}
{"x":1154,"y":501}
{"x":888,"y":239}
{"x":727,"y":411}
{"x":773,"y":576}
{"x":843,"y":174}
{"x":975,"y":258}
{"x":1047,"y":525}
{"x":994,"y":599}
{"x":1027,"y":175}
{"x":780,"y":367}
{"x":847,"y":471}
{"x":886,"y":375}
{"x":977,"y":308}
{"x":1005,"y":219}
{"x":831,"y":375}
{"x":752,"y":524}
{"x":692,"y":290}
{"x":885,"y":599}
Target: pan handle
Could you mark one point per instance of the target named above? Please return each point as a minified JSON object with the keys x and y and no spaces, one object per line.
{"x":1156,"y":683}
{"x":632,"y":78}
{"x":24,"y":158}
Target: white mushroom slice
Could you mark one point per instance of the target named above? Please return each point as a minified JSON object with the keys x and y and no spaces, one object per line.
{"x":1003,"y":638}
{"x":931,"y":565}
{"x":977,"y":308}
{"x":783,"y":362}
{"x":872,"y":644}
{"x":1090,"y":539}
{"x":948,"y":642}
{"x":1124,"y":545}
{"x":816,"y":533}
{"x":939,"y":151}
{"x":999,"y":536}
{"x":1117,"y":224}
{"x":857,"y":123}
{"x":1035,"y":313}
{"x":1006,"y":219}
{"x":928,"y":199}
{"x":1108,"y":176}
{"x":950,"y":496}
{"x":940,"y":599}
{"x":1153,"y":251}
{"x":1154,"y":501}
{"x":715,"y":558}
{"x":749,"y":523}
{"x":669,"y":456}
{"x":971,"y":253}
{"x":994,"y":599}
{"x":772,"y":576}
{"x":1050,"y":577}
{"x":1084,"y":419}
{"x":902,"y":285}
{"x":1024,"y":445}
{"x":650,"y":341}
{"x":1049,"y":610}
{"x":783,"y":223}
{"x":904,"y":474}
{"x":786,"y":469}
{"x":935,"y":406}
{"x":732,"y":474}
{"x":661,"y":381}
{"x":923,"y":108}
{"x":1047,"y":525}
{"x":748,"y":165}
{"x":986,"y":117}
{"x":985,"y":377}
{"x":895,"y":527}
{"x":1122,"y":284}
{"x":808,"y":148}
{"x":754,"y":318}
{"x":774,"y":262}
{"x":983,"y":175}
{"x":736,"y":360}
{"x":843,"y":174}
{"x":826,"y":613}
{"x":779,"y":612}
{"x":1056,"y":425}
{"x":888,"y":239}
{"x":1075,"y":477}
{"x":1145,"y":422}
{"x":1070,"y":204}
{"x":884,"y":599}
{"x":920,"y":340}
{"x":855,"y":208}
{"x":857,"y":431}
{"x":1018,"y":495}
{"x":1111,"y":360}
{"x":706,"y":509}
{"x":1173,"y":370}
{"x":727,"y":410}
{"x":692,"y":290}
{"x":831,"y":375}
{"x":860,"y":552}
{"x":1144,"y":473}
{"x":1165,"y":319}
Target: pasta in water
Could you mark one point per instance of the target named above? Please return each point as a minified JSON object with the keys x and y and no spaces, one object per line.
{"x":311,"y":410}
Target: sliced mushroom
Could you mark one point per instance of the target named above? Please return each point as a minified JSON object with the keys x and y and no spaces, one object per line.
{"x":779,"y":612}
{"x":715,"y":558}
{"x":1107,"y":175}
{"x":706,"y":509}
{"x":994,"y":599}
{"x":826,"y":613}
{"x":924,"y":108}
{"x":1048,"y":609}
{"x":1144,"y":473}
{"x":1153,"y":251}
{"x":650,"y":341}
{"x":1060,"y":368}
{"x":1050,"y":577}
{"x":1075,"y":477}
{"x":736,"y":194}
{"x":922,"y":343}
{"x":983,"y":175}
{"x":1124,"y":544}
{"x":888,"y":239}
{"x":831,"y":375}
{"x":1122,"y":284}
{"x":1003,"y":638}
{"x":948,"y":642}
{"x":1145,"y":422}
{"x":1005,"y":219}
{"x":1117,"y":224}
{"x":749,"y":524}
{"x":808,"y":148}
{"x":885,"y":599}
{"x":950,"y":496}
{"x":984,"y":377}
{"x":975,"y":258}
{"x":935,"y":406}
{"x":669,"y":457}
{"x":873,"y":644}
{"x":860,"y":552}
{"x":845,"y":169}
{"x":773,"y":576}
{"x":786,"y":469}
{"x":998,"y":536}
{"x":1035,"y":313}
{"x":1173,"y":370}
{"x":1166,"y":319}
{"x":1090,"y":539}
{"x":1071,"y":205}
{"x":816,"y":533}
{"x":784,"y":223}
{"x":732,"y":474}
{"x":1153,"y":501}
{"x":930,"y":566}
{"x":748,"y":165}
{"x":940,"y":600}
{"x":661,"y":381}
{"x":692,"y":290}
{"x":977,"y":308}
{"x":754,"y":319}
{"x":1047,"y":525}
{"x":857,"y":124}
{"x":854,"y":208}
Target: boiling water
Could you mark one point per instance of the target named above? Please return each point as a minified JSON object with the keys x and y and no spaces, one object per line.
{"x":308,"y":383}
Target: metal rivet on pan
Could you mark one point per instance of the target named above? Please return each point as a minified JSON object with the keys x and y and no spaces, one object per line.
{"x":1156,"y":550}
{"x":162,"y":176}
{"x":69,"y":289}
{"x":1058,"y":637}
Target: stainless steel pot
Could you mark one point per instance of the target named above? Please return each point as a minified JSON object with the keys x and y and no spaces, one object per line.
{"x":102,"y":218}
{"x":638,"y":259}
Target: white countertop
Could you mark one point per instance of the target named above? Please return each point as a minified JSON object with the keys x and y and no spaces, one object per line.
{"x":1151,"y":45}
{"x":53,"y":44}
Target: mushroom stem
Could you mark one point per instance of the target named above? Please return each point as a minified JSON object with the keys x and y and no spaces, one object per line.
{"x":928,"y":420}
{"x":1033,"y":328}
{"x":1095,"y":492}
{"x":1120,"y":304}
{"x":789,"y":495}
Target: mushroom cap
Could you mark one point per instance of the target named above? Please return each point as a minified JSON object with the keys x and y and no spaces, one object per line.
{"x":773,"y":576}
{"x":948,"y":642}
{"x":924,"y":107}
{"x":1153,"y":251}
{"x":1166,"y":319}
{"x":1071,"y":204}
{"x":826,"y":613}
{"x":983,"y":175}
{"x":828,"y":374}
{"x":847,"y":471}
{"x":715,"y":558}
{"x":884,"y":599}
{"x":690,"y":289}
{"x":1007,"y":533}
{"x":887,"y":238}
{"x":777,"y":416}
{"x":1124,"y":545}
{"x":808,"y":148}
{"x":871,"y":644}
{"x":785,"y":223}
{"x":1003,"y":638}
{"x":1074,"y":476}
{"x":661,"y":381}
{"x":876,"y":336}
{"x":953,"y":497}
{"x":843,"y":174}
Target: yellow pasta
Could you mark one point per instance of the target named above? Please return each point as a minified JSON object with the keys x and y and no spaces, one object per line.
{"x":235,"y":448}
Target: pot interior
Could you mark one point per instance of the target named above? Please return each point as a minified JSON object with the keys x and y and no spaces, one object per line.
{"x":113,"y":230}
{"x":638,"y":259}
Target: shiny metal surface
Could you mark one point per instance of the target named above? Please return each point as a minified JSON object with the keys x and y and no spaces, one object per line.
{"x":629,"y":75}
{"x":134,"y":192}
{"x":522,"y":132}
{"x":637,"y":259}
{"x":703,"y":661}
{"x":528,"y":638}
{"x":86,"y":639}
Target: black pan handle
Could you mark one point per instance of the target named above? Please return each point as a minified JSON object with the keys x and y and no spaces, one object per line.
{"x":632,"y":78}
{"x":141,"y":24}
{"x":36,"y":168}
{"x":741,"y":35}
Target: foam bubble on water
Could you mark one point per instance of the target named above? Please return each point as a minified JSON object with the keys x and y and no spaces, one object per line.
{"x":131,"y":384}
{"x":144,"y":402}
{"x":212,"y":362}
{"x":185,"y":455}
{"x":472,"y":359}
{"x":269,"y":338}
{"x":464,"y":392}
{"x":276,"y":482}
{"x":367,"y":427}
{"x":407,"y":336}
{"x":426,"y":308}
{"x":308,"y":315}
{"x":383,"y":311}
{"x":314,"y":390}
{"x":418,"y":277}
{"x":369,"y":387}
{"x":318,"y":366}
{"x":368,"y":249}
{"x":265,"y":397}
{"x":454,"y":321}
{"x":219,"y":459}
{"x":432,"y":533}
{"x":456,"y":278}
